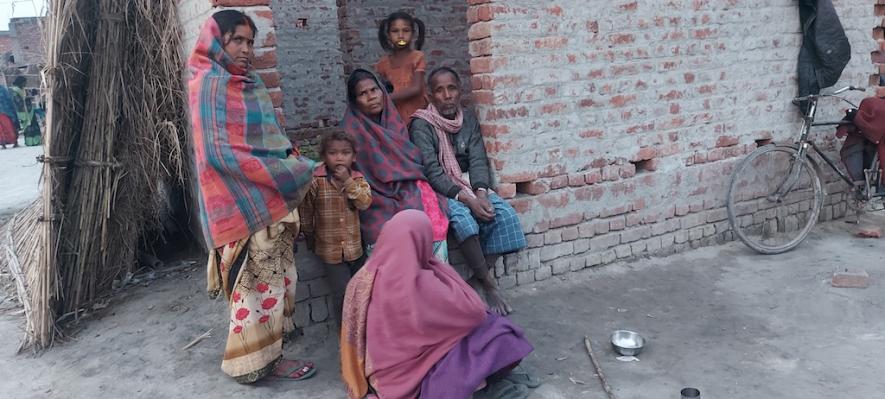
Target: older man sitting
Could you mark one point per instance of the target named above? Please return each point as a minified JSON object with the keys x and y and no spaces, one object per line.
{"x":451,"y":144}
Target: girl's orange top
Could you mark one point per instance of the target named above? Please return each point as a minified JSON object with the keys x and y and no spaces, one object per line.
{"x":401,"y":76}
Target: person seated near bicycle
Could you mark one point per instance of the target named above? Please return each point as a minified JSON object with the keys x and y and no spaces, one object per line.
{"x":864,"y":138}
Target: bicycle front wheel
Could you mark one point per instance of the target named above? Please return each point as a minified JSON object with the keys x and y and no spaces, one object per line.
{"x":774,"y":199}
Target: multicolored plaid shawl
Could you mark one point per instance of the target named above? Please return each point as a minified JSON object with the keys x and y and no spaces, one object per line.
{"x":249,"y":174}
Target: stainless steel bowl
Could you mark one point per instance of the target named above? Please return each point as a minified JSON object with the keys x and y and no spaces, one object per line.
{"x":627,"y":343}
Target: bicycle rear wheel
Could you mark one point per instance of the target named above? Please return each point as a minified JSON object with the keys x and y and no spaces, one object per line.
{"x":774,"y":199}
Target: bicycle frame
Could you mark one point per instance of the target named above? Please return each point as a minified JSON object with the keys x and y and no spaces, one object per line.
{"x":803,"y":143}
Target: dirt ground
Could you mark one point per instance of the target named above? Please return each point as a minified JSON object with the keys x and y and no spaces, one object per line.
{"x":21,"y":174}
{"x":723,"y":319}
{"x":19,"y":185}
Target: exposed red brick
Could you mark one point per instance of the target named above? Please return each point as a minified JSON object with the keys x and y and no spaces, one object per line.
{"x":589,"y":134}
{"x":479,"y":13}
{"x":727,"y":141}
{"x":593,"y":177}
{"x":266,"y":60}
{"x":551,"y":42}
{"x":276,"y":97}
{"x":559,"y":182}
{"x":518,"y":177}
{"x":479,"y":30}
{"x":851,"y":279}
{"x":479,"y":48}
{"x":622,"y":100}
{"x":554,"y":200}
{"x":522,"y":205}
{"x":482,"y":64}
{"x":589,"y":193}
{"x":491,"y":130}
{"x":271,"y":79}
{"x":535,"y":187}
{"x":554,"y":108}
{"x":485,"y":97}
{"x":567,"y":220}
{"x":576,"y":180}
{"x":506,"y":190}
{"x":631,"y":6}
{"x":645,"y":153}
{"x":622,"y":38}
{"x":270,"y":40}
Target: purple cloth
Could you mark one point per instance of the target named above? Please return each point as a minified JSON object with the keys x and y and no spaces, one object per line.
{"x":495,"y":344}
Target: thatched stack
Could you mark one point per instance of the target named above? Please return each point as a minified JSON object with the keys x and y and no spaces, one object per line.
{"x":115,"y":137}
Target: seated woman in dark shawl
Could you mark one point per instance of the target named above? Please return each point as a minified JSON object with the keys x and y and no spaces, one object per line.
{"x":389,"y":161}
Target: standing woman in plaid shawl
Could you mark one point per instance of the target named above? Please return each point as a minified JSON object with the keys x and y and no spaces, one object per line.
{"x":251,"y":181}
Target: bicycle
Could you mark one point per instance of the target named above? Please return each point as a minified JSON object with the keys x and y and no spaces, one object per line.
{"x":776,"y":193}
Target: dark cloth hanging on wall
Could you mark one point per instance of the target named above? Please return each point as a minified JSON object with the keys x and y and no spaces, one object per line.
{"x":825,"y":48}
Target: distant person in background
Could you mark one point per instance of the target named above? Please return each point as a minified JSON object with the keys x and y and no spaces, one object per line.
{"x":34,"y":131}
{"x":9,"y":124}
{"x":19,"y":97}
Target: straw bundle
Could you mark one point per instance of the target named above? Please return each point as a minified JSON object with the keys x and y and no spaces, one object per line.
{"x":115,"y":137}
{"x":21,"y":236}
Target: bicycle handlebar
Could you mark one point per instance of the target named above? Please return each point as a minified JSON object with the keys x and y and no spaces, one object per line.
{"x":837,"y":92}
{"x":847,"y":88}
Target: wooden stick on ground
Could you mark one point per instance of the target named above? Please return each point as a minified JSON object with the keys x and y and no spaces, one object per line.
{"x":197,"y":340}
{"x":605,"y":386}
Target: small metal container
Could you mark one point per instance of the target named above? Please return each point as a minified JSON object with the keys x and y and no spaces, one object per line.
{"x":690,"y":393}
{"x":627,"y":343}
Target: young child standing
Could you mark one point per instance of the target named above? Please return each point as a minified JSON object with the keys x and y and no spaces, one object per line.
{"x":330,"y":212}
{"x":402,"y":36}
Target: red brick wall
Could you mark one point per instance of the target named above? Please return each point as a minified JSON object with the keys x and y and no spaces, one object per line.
{"x":446,"y":42}
{"x":614,"y":126}
{"x":311,"y":65}
{"x":28,"y":44}
{"x":24,"y":40}
{"x":6,"y":42}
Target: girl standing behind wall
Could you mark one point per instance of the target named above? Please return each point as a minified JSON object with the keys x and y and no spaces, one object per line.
{"x":402,"y":36}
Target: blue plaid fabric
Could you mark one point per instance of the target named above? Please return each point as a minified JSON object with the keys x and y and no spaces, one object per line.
{"x":440,"y":250}
{"x":501,"y":236}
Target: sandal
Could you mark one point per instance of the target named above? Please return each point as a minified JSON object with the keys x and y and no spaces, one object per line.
{"x":295,"y":370}
{"x":520,"y":375}
{"x":503,"y":389}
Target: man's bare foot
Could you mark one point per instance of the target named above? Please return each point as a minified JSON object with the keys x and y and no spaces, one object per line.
{"x":497,"y":302}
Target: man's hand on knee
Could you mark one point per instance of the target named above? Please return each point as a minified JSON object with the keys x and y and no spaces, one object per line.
{"x":476,"y":207}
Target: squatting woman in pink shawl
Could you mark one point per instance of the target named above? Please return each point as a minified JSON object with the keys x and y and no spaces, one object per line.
{"x":413,"y":328}
{"x":250,"y":183}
